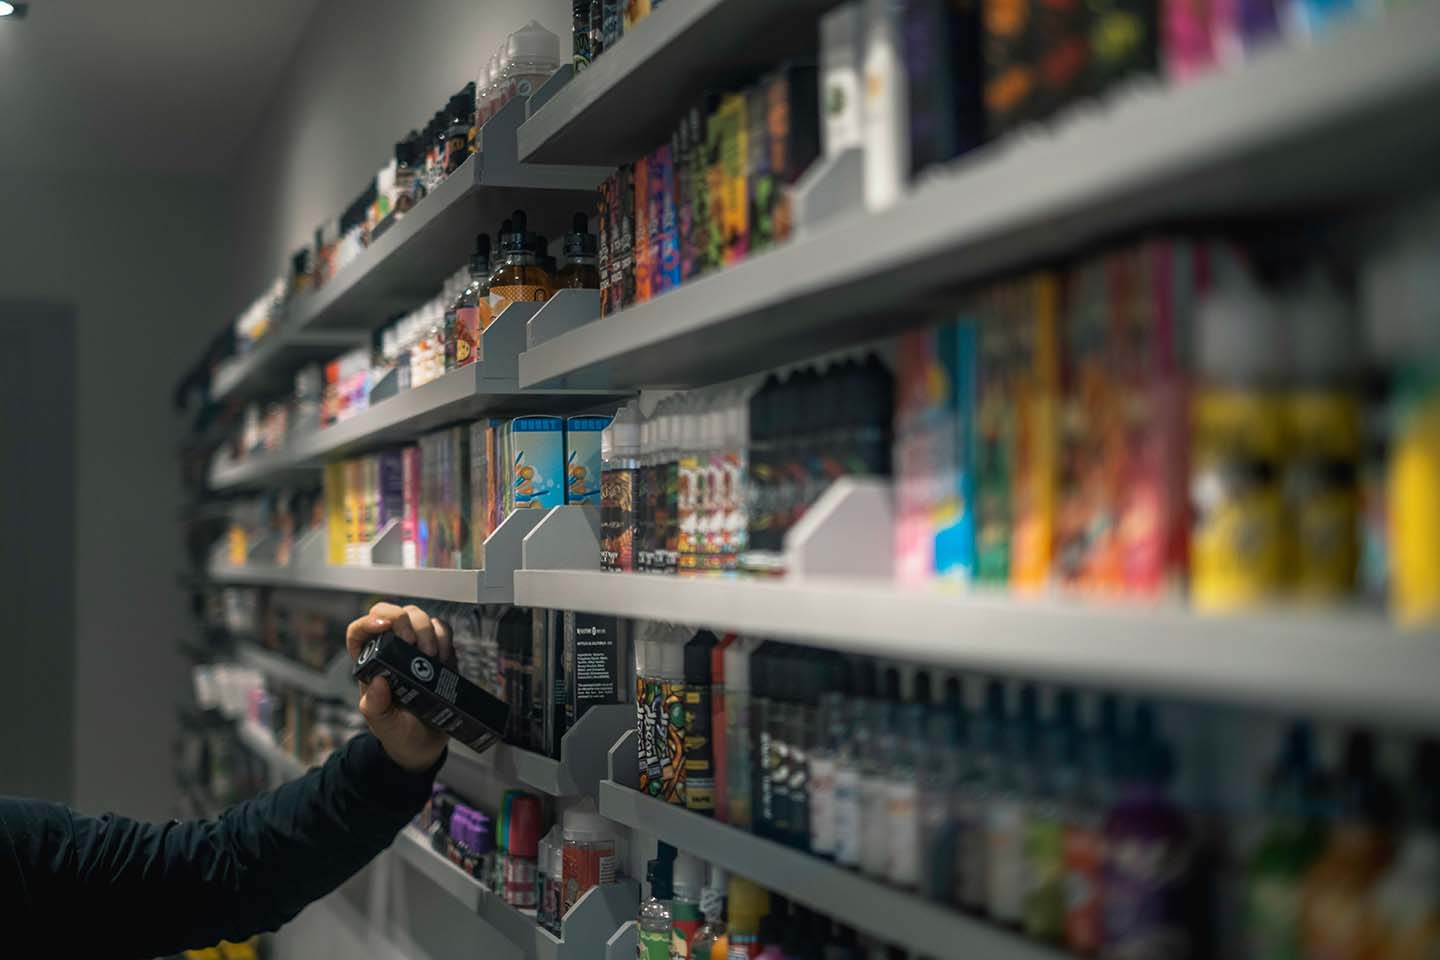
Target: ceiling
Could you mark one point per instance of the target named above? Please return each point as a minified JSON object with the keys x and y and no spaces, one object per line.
{"x":154,"y":86}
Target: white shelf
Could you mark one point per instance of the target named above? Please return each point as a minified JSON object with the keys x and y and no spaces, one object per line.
{"x":457,"y":586}
{"x":1324,"y":123}
{"x":335,"y":682}
{"x":485,"y":387}
{"x":1346,"y":662}
{"x":282,"y":764}
{"x":583,"y":752}
{"x":594,"y":918}
{"x":409,"y":261}
{"x":663,"y":63}
{"x":894,"y":916}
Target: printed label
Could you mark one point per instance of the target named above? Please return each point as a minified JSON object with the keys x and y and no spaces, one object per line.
{"x":506,"y":294}
{"x":653,"y":945}
{"x":901,"y":809}
{"x":1044,"y":865}
{"x":617,"y":520}
{"x":1004,"y":861}
{"x":1084,"y":860}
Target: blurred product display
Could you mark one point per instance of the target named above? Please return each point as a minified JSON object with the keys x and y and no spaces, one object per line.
{"x":1218,"y":414}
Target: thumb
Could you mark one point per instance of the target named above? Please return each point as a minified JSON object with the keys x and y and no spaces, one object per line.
{"x":375,"y":702}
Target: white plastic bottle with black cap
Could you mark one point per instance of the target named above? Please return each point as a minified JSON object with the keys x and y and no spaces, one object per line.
{"x":532,"y":54}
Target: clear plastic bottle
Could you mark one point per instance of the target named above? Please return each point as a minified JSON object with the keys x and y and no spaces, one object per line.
{"x":902,"y":799}
{"x":875,"y":850}
{"x":686,"y":891}
{"x":939,"y":781}
{"x":712,"y":904}
{"x":532,"y":55}
{"x":1044,"y":832}
{"x":654,"y":921}
{"x":849,"y":769}
{"x":588,"y":853}
{"x":1004,"y":816}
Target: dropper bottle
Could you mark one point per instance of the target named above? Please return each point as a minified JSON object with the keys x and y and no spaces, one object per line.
{"x":579,"y":268}
{"x":519,"y":278}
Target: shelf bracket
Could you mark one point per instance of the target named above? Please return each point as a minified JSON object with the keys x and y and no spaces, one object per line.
{"x":496,"y":149}
{"x":596,"y":916}
{"x":503,"y":552}
{"x":833,"y":186}
{"x":623,"y":944}
{"x":384,"y":550}
{"x":846,"y":533}
{"x":567,"y":539}
{"x":567,"y":310}
{"x":623,"y":761}
{"x":501,"y":343}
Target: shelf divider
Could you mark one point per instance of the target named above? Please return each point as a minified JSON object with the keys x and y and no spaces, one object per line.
{"x":567,"y":539}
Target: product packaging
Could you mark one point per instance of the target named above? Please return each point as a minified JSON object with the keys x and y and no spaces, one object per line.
{"x":727,"y":136}
{"x":582,"y":459}
{"x":410,"y":531}
{"x":537,"y":462}
{"x":594,"y":657}
{"x":886,"y":126}
{"x":664,"y":221}
{"x":792,"y":140}
{"x":646,"y":236}
{"x":1010,"y":45}
{"x":943,"y":79}
{"x":433,"y":692}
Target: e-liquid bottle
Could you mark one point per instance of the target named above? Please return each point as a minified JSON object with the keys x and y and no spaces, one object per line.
{"x":1082,"y":786}
{"x":1293,"y":839}
{"x":406,"y":178}
{"x":1408,"y":896}
{"x":648,"y":717}
{"x":749,"y":904}
{"x":711,"y":936}
{"x":699,"y":746}
{"x":804,"y":732}
{"x":1044,"y":907}
{"x":619,"y":468}
{"x":472,"y":306}
{"x":579,"y":269}
{"x":761,"y":729}
{"x":972,"y":801}
{"x":1004,"y":815}
{"x":939,"y":787}
{"x":1144,"y":905}
{"x":849,"y":768}
{"x":875,"y":776}
{"x":519,"y":276}
{"x":690,"y":455}
{"x":655,"y":927}
{"x":902,"y":800}
{"x":670,"y":724}
{"x":457,"y":131}
{"x":824,"y":757}
{"x":685,"y":916}
{"x":781,"y":673}
{"x":738,"y":753}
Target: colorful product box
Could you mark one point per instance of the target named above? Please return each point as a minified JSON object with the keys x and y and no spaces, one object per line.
{"x":337,"y":532}
{"x":1036,"y":401}
{"x":410,"y":531}
{"x":537,"y":462}
{"x":647,"y":238}
{"x":995,"y":430}
{"x":727,"y":137}
{"x":792,"y":138}
{"x":1124,"y":41}
{"x":582,"y":459}
{"x":1011,"y":87}
{"x":759,"y":180}
{"x":622,"y":270}
{"x":603,"y":213}
{"x":479,"y":486}
{"x":664,"y":222}
{"x":1062,"y":49}
{"x":390,"y":492}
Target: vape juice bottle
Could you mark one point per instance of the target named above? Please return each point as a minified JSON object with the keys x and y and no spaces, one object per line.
{"x":519,"y":276}
{"x":849,"y":767}
{"x":1337,"y":913}
{"x":579,"y":269}
{"x":1044,"y":910}
{"x":940,"y":777}
{"x":655,"y":925}
{"x":749,"y":904}
{"x":1004,"y":815}
{"x":685,"y":915}
{"x":472,"y":306}
{"x":1293,"y":838}
{"x":1408,"y":897}
{"x":619,"y":469}
{"x":821,"y":784}
{"x":1081,"y":785}
{"x":875,"y":779}
{"x":699,"y":746}
{"x":902,"y":800}
{"x":739,"y":766}
{"x":1149,"y":853}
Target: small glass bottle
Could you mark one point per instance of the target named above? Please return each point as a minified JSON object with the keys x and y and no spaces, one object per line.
{"x":472,"y":305}
{"x":519,"y":276}
{"x":579,"y":267}
{"x":654,"y":922}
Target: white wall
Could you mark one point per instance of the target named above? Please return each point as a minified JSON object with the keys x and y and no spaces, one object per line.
{"x":141,"y":258}
{"x":366,"y":72}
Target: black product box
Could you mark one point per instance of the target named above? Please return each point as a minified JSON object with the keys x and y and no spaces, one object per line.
{"x":433,"y":692}
{"x":944,"y":74}
{"x":594,"y":656}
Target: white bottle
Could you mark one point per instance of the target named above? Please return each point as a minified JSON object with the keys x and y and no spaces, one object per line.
{"x":885,"y":116}
{"x":533,"y":54}
{"x":841,"y":63}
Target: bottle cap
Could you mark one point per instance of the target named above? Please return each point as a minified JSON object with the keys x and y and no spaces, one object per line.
{"x":535,"y":46}
{"x":688,"y":877}
{"x":697,"y":657}
{"x":583,"y":823}
{"x":579,"y":242}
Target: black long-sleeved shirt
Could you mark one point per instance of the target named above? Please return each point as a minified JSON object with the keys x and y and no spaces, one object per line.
{"x":146,"y":889}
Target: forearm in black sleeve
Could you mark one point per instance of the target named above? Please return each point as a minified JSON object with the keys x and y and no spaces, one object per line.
{"x":144,"y":889}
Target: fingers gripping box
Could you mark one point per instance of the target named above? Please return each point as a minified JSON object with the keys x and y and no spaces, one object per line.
{"x":433,"y":692}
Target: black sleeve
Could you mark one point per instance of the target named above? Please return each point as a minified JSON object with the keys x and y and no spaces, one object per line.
{"x":146,"y":889}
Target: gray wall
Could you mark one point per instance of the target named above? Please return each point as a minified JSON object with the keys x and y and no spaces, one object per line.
{"x":140,"y":259}
{"x":365,"y":73}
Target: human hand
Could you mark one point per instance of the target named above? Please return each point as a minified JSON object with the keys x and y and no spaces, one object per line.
{"x":407,"y":740}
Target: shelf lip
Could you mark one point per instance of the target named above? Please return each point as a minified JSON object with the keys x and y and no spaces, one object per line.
{"x":895,"y":916}
{"x":520,"y":929}
{"x":515,"y":763}
{"x":1349,"y":662}
{"x":457,"y":586}
{"x":334,"y":682}
{"x":1143,"y":155}
{"x":459,"y":394}
{"x":264,"y":745}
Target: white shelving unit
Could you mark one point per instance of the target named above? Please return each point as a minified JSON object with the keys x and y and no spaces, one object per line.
{"x":1335,"y":123}
{"x":1319,"y":123}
